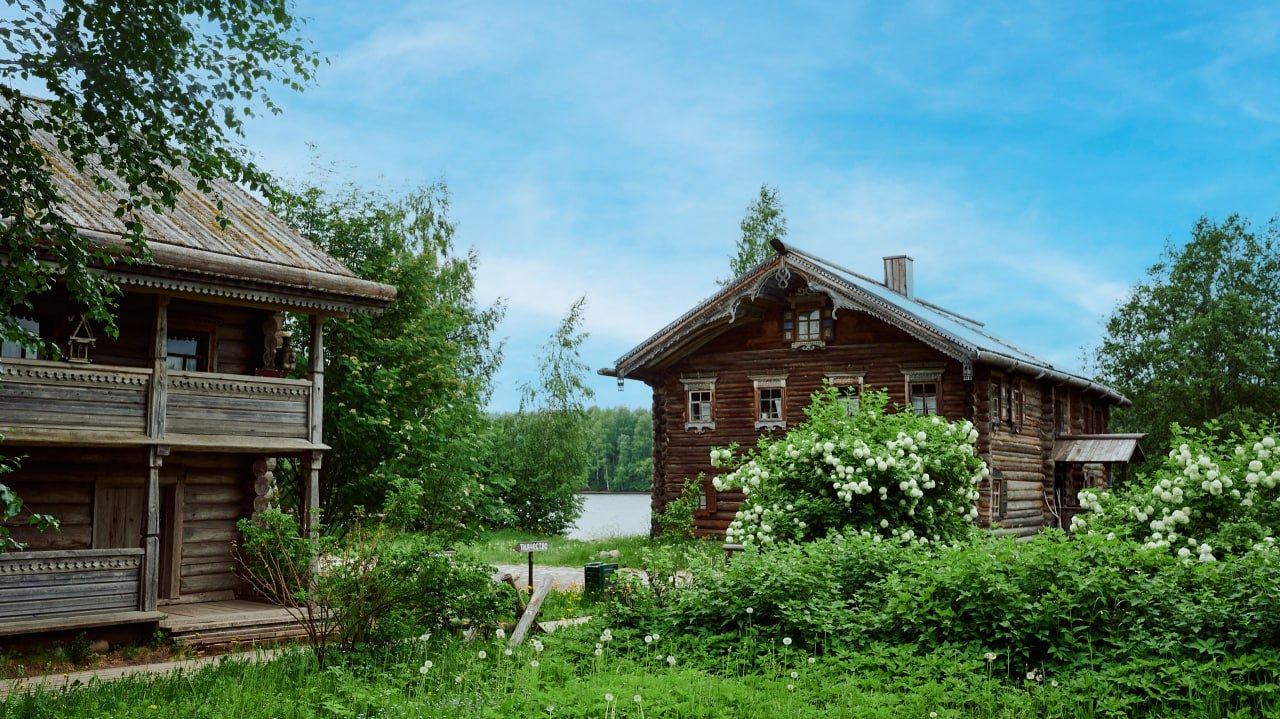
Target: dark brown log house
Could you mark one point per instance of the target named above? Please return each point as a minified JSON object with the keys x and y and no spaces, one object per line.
{"x":746,"y":360}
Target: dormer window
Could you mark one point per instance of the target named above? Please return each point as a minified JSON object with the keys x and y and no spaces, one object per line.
{"x":700,"y":402}
{"x":808,"y":325}
{"x":17,"y":350}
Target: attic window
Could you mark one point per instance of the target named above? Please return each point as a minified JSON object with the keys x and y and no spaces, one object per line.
{"x":700,"y":398}
{"x":807,"y":325}
{"x":17,"y":350}
{"x":770,"y":402}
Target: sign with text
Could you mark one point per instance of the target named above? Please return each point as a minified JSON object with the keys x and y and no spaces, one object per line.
{"x":532,"y":546}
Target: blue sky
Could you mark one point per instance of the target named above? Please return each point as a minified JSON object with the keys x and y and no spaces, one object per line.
{"x":1033,"y":159}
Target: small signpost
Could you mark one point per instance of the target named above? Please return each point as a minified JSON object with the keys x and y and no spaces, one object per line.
{"x":532,"y":547}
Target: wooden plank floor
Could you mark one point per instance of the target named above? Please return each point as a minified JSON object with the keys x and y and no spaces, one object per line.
{"x":221,"y":615}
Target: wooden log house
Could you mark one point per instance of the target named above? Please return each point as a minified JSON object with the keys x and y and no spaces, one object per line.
{"x":149,"y":446}
{"x":746,"y":361}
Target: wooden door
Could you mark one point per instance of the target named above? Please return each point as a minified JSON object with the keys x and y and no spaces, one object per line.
{"x":118,"y":515}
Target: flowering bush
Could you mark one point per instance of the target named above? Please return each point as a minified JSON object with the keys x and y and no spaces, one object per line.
{"x":875,"y":472}
{"x":1205,"y":499}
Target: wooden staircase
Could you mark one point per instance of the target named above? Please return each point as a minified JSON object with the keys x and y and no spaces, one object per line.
{"x":212,"y":624}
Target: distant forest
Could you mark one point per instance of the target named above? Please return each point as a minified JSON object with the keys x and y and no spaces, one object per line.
{"x":619,"y":449}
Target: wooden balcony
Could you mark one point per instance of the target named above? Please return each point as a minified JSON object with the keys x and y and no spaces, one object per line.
{"x":54,"y":403}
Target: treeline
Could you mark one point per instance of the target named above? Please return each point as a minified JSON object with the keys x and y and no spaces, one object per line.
{"x":619,"y":449}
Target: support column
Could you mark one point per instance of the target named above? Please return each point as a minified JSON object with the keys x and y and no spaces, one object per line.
{"x":157,"y":399}
{"x":311,"y":487}
{"x":151,"y":532}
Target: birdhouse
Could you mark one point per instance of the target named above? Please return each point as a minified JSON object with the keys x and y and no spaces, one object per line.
{"x":81,"y":341}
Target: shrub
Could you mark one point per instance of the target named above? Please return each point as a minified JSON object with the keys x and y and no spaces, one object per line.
{"x":369,"y":587}
{"x":877,"y":472}
{"x":1206,"y":498}
{"x":676,"y":519}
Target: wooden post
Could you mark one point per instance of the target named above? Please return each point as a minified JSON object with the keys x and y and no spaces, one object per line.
{"x":157,"y":399}
{"x":311,"y":490}
{"x":151,"y":534}
{"x":311,"y":495}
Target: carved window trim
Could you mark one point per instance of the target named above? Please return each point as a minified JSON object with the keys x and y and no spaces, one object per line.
{"x":695,"y":419}
{"x":771,"y":401}
{"x":916,"y":381}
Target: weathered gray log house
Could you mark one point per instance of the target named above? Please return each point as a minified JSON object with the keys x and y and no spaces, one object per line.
{"x":150,"y":446}
{"x":746,"y":360}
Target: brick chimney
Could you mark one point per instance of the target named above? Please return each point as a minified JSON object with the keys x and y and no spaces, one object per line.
{"x":898,"y":275}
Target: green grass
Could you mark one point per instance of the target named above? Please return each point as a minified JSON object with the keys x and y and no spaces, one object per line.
{"x":498,"y":548}
{"x":740,"y":675}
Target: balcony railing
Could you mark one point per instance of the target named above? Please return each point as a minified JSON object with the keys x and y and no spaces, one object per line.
{"x":39,"y":396}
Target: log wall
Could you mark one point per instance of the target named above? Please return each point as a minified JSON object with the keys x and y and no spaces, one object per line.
{"x":211,"y":492}
{"x":861,"y":345}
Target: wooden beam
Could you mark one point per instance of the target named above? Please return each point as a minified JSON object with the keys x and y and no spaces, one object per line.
{"x":531,"y":612}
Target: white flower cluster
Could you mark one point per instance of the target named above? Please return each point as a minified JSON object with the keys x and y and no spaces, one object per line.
{"x":1192,"y":493}
{"x":899,"y":477}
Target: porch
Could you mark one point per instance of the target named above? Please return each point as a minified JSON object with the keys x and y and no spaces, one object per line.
{"x":101,"y":589}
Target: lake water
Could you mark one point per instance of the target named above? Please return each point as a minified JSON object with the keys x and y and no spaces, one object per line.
{"x":616,"y":514}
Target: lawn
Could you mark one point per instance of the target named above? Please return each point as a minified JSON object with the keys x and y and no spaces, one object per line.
{"x":743,"y":675}
{"x":498,"y":548}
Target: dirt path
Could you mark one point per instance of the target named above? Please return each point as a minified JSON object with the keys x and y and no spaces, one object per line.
{"x":562,"y":578}
{"x":54,"y":683}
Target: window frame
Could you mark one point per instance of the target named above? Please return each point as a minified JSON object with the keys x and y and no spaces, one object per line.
{"x":770,"y":383}
{"x":923,"y":374}
{"x":187,"y":327}
{"x":844,"y":382}
{"x":699,"y":385}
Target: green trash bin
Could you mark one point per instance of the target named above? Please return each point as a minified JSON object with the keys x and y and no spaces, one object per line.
{"x":595,"y":577}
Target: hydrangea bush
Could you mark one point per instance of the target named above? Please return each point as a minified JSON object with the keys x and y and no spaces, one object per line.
{"x":881,"y":471}
{"x":1207,"y":497}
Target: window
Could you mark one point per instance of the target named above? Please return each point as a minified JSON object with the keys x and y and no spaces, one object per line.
{"x":188,"y":351}
{"x":809,"y":325}
{"x":700,"y":395}
{"x":848,"y":391}
{"x":997,"y":403}
{"x":1019,"y":409}
{"x":923,"y":386}
{"x":770,"y":402}
{"x":999,"y":497}
{"x":924,"y":397}
{"x":16,"y":349}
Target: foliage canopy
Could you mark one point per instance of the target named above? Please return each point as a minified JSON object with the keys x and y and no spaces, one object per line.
{"x":1200,"y":338}
{"x":405,"y":389}
{"x":764,"y":221}
{"x":133,"y":88}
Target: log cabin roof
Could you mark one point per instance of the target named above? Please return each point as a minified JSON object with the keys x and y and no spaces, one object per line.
{"x":256,"y":257}
{"x":961,"y":338}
